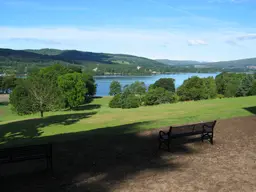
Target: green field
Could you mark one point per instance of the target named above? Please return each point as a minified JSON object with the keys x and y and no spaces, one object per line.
{"x":98,"y":118}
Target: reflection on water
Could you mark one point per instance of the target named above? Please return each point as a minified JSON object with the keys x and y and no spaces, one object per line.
{"x":103,"y":82}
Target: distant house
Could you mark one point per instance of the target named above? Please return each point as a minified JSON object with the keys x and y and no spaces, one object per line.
{"x":251,"y":67}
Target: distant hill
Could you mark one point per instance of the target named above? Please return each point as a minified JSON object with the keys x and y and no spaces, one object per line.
{"x":100,"y":63}
{"x":241,"y":63}
{"x":76,"y":57}
{"x":21,"y":61}
{"x":178,"y":62}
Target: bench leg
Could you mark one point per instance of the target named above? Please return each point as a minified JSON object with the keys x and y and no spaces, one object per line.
{"x":211,"y":140}
{"x":168,"y":143}
{"x":160,"y":144}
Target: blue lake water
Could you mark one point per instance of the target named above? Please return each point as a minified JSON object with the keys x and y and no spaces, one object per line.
{"x":103,"y":82}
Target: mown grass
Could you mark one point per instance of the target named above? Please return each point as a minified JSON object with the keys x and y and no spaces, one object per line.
{"x":16,"y":129}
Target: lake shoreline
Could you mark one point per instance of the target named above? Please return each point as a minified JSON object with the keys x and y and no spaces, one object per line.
{"x":103,"y":82}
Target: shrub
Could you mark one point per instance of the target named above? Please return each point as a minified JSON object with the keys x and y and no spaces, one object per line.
{"x":116,"y":101}
{"x":220,"y":96}
{"x":158,"y":96}
{"x":175,"y":98}
{"x":131,"y":101}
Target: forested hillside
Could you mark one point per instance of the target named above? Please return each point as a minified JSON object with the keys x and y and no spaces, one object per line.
{"x":23,"y":61}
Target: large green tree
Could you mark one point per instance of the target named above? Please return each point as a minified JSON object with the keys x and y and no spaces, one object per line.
{"x":137,"y":88}
{"x":115,"y":88}
{"x":166,"y":83}
{"x":73,"y":88}
{"x":253,"y":88}
{"x":194,"y":88}
{"x":228,"y":83}
{"x":90,"y":84}
{"x":211,"y":87}
{"x":35,"y":94}
{"x":245,"y":86}
{"x":8,"y":83}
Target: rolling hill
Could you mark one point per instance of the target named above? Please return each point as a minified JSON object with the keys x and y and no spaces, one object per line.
{"x":239,"y":64}
{"x":22,"y":61}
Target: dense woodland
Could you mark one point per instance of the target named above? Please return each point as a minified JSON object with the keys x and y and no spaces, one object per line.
{"x":24,"y":61}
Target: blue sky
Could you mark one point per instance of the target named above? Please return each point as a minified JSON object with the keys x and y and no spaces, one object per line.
{"x":205,"y":30}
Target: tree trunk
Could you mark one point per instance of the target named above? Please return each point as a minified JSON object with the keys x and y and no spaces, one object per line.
{"x":42,"y":114}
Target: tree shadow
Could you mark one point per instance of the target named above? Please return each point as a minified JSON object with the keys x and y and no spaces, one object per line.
{"x":87,"y":107}
{"x":4,"y":103}
{"x":252,"y":110}
{"x":101,"y":159}
{"x":31,"y":128}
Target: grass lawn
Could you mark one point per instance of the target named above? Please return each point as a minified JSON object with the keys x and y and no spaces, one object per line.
{"x":91,"y":118}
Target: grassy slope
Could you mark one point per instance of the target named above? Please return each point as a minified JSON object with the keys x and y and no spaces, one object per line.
{"x":13,"y":130}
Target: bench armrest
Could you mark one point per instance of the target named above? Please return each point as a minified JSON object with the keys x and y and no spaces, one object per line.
{"x":162,"y":133}
{"x":207,"y":127}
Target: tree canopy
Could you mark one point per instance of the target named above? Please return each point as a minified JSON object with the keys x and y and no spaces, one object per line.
{"x":166,"y":83}
{"x":73,"y":88}
{"x":115,"y":88}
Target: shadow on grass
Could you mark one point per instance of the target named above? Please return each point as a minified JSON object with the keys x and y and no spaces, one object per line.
{"x":87,"y":107}
{"x":251,"y":109}
{"x":101,"y":159}
{"x":4,"y":103}
{"x":31,"y":128}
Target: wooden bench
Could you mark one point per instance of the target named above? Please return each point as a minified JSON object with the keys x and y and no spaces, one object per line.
{"x":32,"y":152}
{"x":205,"y":130}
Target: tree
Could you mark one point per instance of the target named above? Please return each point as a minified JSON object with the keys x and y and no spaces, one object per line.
{"x":115,"y":88}
{"x":211,"y":87}
{"x":73,"y":88}
{"x":193,"y":88}
{"x":253,"y":88}
{"x":90,"y":84}
{"x":245,"y":86}
{"x":158,"y":96}
{"x":137,"y":88}
{"x":54,"y":71}
{"x":166,"y":83}
{"x":35,"y":94}
{"x":228,"y":83}
{"x":1,"y":84}
{"x":8,"y":83}
{"x":20,"y":99}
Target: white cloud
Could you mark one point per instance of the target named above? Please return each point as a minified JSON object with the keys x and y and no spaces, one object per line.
{"x":247,"y":37}
{"x":170,"y":44}
{"x":196,"y":42}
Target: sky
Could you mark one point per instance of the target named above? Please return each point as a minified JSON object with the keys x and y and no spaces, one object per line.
{"x":203,"y":30}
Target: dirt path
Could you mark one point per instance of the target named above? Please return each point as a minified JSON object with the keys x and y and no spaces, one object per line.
{"x":132,"y":163}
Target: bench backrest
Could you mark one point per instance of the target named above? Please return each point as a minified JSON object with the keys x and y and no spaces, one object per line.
{"x":192,"y":128}
{"x":25,"y":153}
